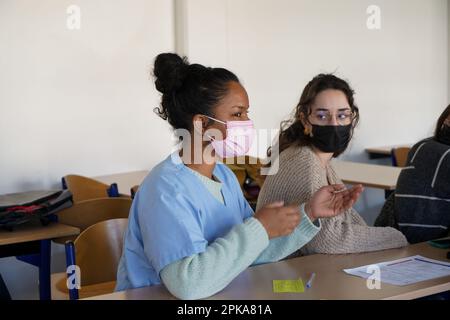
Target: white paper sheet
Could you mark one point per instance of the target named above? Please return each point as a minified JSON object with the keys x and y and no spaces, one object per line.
{"x":405,"y":271}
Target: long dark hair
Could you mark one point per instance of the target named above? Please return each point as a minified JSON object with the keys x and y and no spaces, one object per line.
{"x":292,"y":131}
{"x":440,"y":122}
{"x":188,"y":89}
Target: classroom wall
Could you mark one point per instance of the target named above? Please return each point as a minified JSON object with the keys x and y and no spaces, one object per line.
{"x":77,"y":101}
{"x":399,"y":72}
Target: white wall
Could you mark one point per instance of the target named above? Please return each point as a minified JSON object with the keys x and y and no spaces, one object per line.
{"x":448,"y":55}
{"x":275,"y":47}
{"x":77,"y":101}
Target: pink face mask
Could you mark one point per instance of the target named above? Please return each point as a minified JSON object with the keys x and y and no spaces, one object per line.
{"x":240,"y":136}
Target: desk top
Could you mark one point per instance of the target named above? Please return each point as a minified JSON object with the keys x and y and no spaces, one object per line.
{"x":386,"y":150}
{"x":330,"y":283}
{"x":36,"y":231}
{"x":125,"y":181}
{"x":369,"y":175}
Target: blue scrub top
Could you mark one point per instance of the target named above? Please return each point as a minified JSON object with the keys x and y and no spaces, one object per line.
{"x":174,"y":216}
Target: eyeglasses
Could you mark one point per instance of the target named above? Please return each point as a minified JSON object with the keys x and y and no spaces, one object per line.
{"x":323,"y":117}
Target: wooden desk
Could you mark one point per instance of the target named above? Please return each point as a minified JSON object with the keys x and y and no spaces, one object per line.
{"x":125,"y":181}
{"x":331,"y":282}
{"x":383,"y":152}
{"x":31,"y":243}
{"x":35,"y":231}
{"x":369,"y":175}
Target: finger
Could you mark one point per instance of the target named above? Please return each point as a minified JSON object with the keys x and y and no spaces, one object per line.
{"x":328,"y":189}
{"x":341,"y":194}
{"x":345,"y":194}
{"x":344,"y":204}
{"x":295,"y":219}
{"x":355,"y":194}
{"x":335,"y":188}
{"x":337,"y":207}
{"x":291,"y":210}
{"x":348,"y":197}
{"x":277,"y":204}
{"x":357,"y":189}
{"x":354,"y":197}
{"x":348,"y":205}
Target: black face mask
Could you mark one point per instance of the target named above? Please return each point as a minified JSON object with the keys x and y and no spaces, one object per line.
{"x":331,"y":139}
{"x":444,"y":135}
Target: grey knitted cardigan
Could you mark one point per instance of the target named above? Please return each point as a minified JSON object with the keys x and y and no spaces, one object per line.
{"x":300,"y":174}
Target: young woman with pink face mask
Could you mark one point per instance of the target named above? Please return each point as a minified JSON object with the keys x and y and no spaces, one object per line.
{"x":190,"y":227}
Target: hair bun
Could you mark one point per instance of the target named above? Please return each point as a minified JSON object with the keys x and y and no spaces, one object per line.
{"x":169,"y":70}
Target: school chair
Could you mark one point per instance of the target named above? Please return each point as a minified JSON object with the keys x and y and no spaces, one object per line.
{"x":84,"y":188}
{"x":96,"y":252}
{"x":85,"y":213}
{"x":399,"y":156}
{"x":133,"y":191}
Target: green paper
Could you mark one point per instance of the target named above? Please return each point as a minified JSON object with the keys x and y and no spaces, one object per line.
{"x":288,"y":286}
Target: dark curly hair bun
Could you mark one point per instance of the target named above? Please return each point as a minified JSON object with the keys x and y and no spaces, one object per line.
{"x":188,"y":89}
{"x":170,"y":70}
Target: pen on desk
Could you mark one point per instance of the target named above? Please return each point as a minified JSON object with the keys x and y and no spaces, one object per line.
{"x":309,"y":283}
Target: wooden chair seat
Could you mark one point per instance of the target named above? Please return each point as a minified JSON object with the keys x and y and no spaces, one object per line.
{"x":60,"y":291}
{"x":400,"y":156}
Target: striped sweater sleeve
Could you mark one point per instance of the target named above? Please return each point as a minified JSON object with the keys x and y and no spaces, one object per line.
{"x":204,"y":274}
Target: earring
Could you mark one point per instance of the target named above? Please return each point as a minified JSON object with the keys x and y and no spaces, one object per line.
{"x":307,"y":132}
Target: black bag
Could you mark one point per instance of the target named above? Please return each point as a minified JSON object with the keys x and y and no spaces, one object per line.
{"x":19,"y":208}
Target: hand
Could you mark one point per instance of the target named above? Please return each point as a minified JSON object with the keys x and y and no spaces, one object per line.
{"x":332,"y":200}
{"x":279,"y":220}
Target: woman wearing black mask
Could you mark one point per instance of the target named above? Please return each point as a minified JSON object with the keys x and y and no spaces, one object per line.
{"x":420,"y":205}
{"x":321,"y":130}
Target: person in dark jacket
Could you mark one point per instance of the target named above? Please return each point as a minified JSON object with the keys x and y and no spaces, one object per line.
{"x":420,"y":205}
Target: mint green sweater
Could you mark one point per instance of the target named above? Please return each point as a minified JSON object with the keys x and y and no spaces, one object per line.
{"x":205,"y":274}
